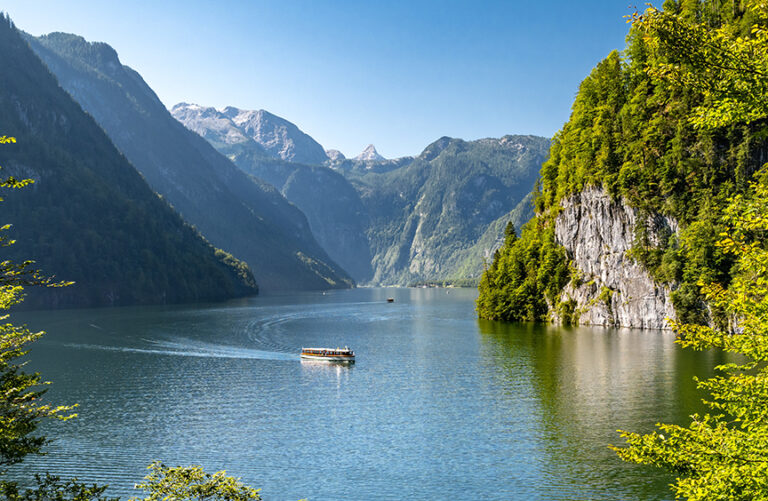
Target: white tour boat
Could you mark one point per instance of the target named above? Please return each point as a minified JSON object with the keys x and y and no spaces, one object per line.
{"x":344,"y":355}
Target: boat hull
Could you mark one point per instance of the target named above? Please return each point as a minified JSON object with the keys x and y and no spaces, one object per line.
{"x":330,"y":359}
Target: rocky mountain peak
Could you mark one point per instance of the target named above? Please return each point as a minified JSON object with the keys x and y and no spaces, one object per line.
{"x":212,"y":124}
{"x":335,"y":155}
{"x":370,"y":154}
{"x":277,"y":136}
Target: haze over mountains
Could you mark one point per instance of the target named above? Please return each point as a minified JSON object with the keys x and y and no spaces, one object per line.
{"x":334,"y":210}
{"x":398,"y":221}
{"x":275,"y":136}
{"x":237,"y":212}
{"x":89,"y":216}
{"x":261,"y":189}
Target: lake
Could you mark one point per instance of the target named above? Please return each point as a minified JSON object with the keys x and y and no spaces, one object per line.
{"x":439,"y":404}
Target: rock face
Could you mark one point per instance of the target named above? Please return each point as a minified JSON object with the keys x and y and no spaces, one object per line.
{"x":276,"y":137}
{"x":613,"y":289}
{"x":335,"y":155}
{"x":370,"y":154}
{"x":213,"y":125}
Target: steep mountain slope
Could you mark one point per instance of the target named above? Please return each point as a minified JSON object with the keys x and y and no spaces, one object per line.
{"x":234,"y":211}
{"x":470,"y":263}
{"x":428,"y":214}
{"x":89,"y":216}
{"x":629,"y":213}
{"x":403,"y":220}
{"x":335,"y":212}
{"x":276,"y":137}
{"x":333,"y":208}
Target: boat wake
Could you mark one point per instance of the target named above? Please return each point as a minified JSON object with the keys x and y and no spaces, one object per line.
{"x":190,"y":348}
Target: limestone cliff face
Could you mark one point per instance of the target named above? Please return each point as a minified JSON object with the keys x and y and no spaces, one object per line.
{"x":613,"y":289}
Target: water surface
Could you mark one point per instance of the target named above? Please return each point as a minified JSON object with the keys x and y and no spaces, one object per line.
{"x":439,"y":405}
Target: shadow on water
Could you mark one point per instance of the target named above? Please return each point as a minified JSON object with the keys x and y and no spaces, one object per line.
{"x":590,"y":382}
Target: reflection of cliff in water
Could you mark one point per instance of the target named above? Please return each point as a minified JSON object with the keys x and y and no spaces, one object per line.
{"x":590,"y":382}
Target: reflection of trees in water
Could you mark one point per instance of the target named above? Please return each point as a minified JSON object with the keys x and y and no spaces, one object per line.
{"x":589,"y":382}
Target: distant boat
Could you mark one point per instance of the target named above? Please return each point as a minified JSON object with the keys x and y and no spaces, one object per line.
{"x":390,"y":300}
{"x":341,"y":355}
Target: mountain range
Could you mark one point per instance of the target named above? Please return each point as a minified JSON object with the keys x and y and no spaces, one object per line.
{"x":300,"y":216}
{"x":429,"y":217}
{"x":336,"y":215}
{"x":235,"y":211}
{"x":395,"y":222}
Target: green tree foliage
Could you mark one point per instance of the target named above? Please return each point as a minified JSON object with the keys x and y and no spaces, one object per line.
{"x":192,"y":483}
{"x":718,"y":50}
{"x":52,"y":488}
{"x":525,"y":276}
{"x":723,"y":454}
{"x":636,"y":132}
{"x":21,"y":405}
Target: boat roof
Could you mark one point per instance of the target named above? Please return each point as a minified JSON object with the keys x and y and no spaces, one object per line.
{"x":326,"y":349}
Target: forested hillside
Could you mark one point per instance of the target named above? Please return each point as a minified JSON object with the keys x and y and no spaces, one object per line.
{"x":236,"y":212}
{"x":89,"y":216}
{"x":631,"y":136}
{"x":428,"y":214}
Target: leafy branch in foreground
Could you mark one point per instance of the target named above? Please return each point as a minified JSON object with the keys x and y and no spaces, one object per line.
{"x":191,"y":482}
{"x":21,"y":406}
{"x":724,"y":455}
{"x":22,"y":410}
{"x":727,"y":63}
{"x":51,"y":488}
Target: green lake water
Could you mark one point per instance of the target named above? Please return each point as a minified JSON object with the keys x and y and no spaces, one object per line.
{"x":439,"y":404}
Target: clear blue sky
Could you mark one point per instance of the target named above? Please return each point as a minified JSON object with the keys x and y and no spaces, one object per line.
{"x":398,"y":74}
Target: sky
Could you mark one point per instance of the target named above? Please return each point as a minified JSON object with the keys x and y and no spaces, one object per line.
{"x":396,"y":74}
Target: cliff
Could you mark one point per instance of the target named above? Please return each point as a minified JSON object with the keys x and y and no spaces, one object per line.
{"x":629,"y":208}
{"x":609,"y":287}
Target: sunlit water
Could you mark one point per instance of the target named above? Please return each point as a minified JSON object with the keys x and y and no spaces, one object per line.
{"x":438,"y":406}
